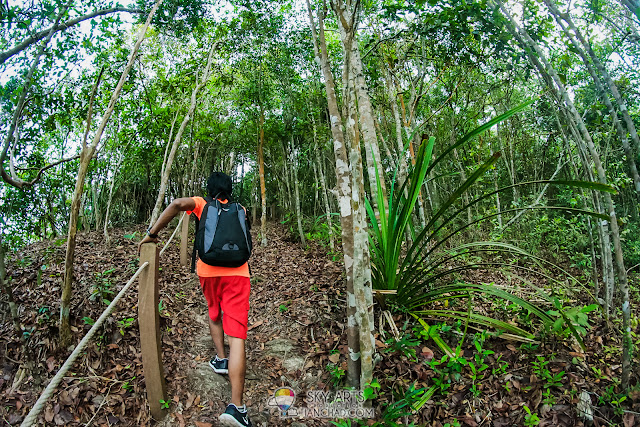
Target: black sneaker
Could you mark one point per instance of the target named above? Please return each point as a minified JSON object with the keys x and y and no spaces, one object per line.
{"x":232,"y":417}
{"x":219,"y":366}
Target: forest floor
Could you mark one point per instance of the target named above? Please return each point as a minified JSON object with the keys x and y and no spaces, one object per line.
{"x":296,"y":339}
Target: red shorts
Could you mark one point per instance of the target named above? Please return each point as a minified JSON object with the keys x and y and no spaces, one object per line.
{"x":231,"y":294}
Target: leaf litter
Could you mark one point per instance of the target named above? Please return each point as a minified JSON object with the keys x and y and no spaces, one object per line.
{"x":296,"y":339}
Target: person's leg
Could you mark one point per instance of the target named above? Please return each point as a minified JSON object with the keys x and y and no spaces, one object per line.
{"x":211,"y":288}
{"x":237,"y":369}
{"x":217,"y":335}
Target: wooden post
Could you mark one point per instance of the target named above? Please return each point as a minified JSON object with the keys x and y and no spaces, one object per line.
{"x":149,"y":323}
{"x":184,"y":241}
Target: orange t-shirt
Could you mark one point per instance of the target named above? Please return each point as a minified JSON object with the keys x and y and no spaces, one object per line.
{"x":206,"y":270}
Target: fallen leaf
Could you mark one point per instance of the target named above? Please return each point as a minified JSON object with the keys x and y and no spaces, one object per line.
{"x":49,"y":414}
{"x":181,"y":420}
{"x":51,"y":363}
{"x":333,"y":358}
{"x":255,"y":325}
{"x":201,"y":424}
{"x":427,"y":353}
{"x":628,"y":419}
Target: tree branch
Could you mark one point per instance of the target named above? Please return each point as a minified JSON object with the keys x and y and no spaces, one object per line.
{"x":19,"y":183}
{"x":382,"y":41}
{"x":60,"y":27}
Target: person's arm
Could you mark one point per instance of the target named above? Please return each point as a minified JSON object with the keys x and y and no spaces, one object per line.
{"x":177,"y":206}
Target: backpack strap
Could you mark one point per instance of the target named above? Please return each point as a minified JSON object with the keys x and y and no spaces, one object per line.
{"x":193,"y":255}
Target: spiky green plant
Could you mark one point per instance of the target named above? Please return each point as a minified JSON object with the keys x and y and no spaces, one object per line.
{"x":418,"y":270}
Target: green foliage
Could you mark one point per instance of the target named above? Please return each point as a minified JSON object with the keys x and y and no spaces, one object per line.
{"x":128,"y":386}
{"x":395,"y":411}
{"x":102,"y":287}
{"x":404,"y":345}
{"x":478,"y":365}
{"x":125,"y":324}
{"x":574,"y":320}
{"x":336,"y":374}
{"x":371,"y":390}
{"x":613,"y":398}
{"x":541,"y":370}
{"x":531,"y":419}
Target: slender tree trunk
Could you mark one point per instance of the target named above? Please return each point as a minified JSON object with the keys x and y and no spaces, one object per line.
{"x":316,"y":189}
{"x":613,"y":223}
{"x":367,"y":125}
{"x":402,"y":155}
{"x":347,"y":20}
{"x":204,"y":78}
{"x":323,"y":183}
{"x":392,"y":157}
{"x":85,"y":157}
{"x":296,"y":192}
{"x":325,"y":199}
{"x":343,"y":194}
{"x":110,"y":199}
{"x":408,"y":128}
{"x":606,"y":267}
{"x":263,"y":188}
{"x":169,"y":145}
{"x":95,"y":199}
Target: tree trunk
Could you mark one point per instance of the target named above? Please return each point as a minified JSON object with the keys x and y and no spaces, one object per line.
{"x":263,"y":187}
{"x":347,"y":20}
{"x":407,"y":125}
{"x":325,"y":199}
{"x":206,"y":74}
{"x":110,"y":199}
{"x":402,"y":154}
{"x":296,"y":192}
{"x":343,"y":194}
{"x":367,"y":125}
{"x":85,"y":157}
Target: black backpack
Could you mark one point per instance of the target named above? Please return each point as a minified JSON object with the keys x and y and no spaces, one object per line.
{"x":222,"y":235}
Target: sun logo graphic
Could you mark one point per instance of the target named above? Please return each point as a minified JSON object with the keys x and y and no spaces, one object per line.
{"x":283,"y":398}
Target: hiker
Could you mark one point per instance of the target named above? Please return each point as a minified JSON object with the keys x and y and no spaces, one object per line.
{"x":226,"y":290}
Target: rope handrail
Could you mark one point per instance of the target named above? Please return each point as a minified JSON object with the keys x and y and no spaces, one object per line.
{"x":166,"y":245}
{"x":33,"y":414}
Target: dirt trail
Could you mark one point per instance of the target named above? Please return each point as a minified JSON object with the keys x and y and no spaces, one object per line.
{"x":292,"y":329}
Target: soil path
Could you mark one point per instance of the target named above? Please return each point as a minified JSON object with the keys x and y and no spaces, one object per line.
{"x":292,"y":330}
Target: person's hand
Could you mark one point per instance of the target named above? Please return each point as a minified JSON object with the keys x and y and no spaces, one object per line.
{"x":147,"y":239}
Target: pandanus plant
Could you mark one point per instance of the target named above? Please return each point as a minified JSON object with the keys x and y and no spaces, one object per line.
{"x":415,"y":273}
